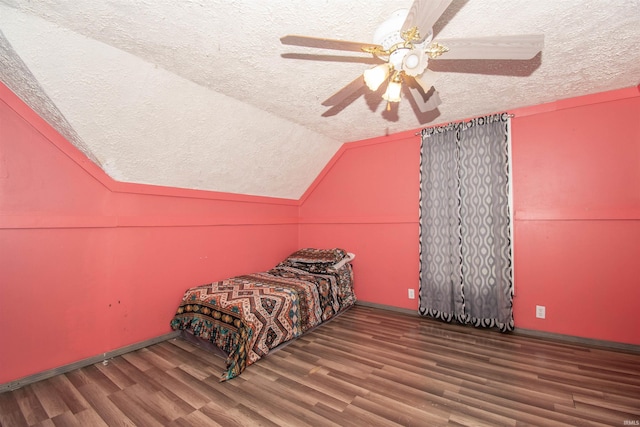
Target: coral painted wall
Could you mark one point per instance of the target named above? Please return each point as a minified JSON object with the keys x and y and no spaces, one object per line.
{"x":89,"y":265}
{"x":367,"y":203}
{"x":576,"y":184}
{"x":576,"y":173}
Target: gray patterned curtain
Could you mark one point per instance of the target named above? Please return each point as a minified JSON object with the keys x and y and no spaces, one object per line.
{"x":465,"y":223}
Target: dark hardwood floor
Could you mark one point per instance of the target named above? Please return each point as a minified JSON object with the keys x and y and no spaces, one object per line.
{"x":367,"y":367}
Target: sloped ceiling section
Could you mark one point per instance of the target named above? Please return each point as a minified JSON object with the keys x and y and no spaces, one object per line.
{"x":201,"y":94}
{"x":15,"y":74}
{"x":146,"y":124}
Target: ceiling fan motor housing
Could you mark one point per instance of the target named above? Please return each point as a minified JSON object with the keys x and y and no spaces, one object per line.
{"x":388,"y":35}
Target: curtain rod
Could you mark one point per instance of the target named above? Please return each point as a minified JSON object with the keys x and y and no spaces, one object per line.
{"x":510,"y":115}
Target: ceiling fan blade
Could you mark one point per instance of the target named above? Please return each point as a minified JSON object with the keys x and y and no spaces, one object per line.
{"x":345,"y":92}
{"x":426,"y":79}
{"x":423,"y":14}
{"x":524,"y":46}
{"x":321,"y":43}
{"x":333,"y":58}
{"x":424,"y":100}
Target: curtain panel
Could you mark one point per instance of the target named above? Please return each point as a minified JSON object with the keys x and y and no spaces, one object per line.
{"x":466,"y":270}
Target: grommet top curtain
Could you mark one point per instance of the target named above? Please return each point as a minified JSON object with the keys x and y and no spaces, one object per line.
{"x":465,"y":223}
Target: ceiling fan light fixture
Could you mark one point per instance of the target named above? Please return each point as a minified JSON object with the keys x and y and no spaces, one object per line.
{"x":374,"y":77}
{"x":411,"y":61}
{"x":415,"y":62}
{"x":393,"y":91}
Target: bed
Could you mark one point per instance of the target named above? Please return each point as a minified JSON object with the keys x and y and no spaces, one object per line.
{"x":247,"y":316}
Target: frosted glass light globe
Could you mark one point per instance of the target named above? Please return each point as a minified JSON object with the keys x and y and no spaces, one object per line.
{"x":412,"y":60}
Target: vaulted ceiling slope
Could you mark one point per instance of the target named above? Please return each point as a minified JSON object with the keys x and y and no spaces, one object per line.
{"x":201,"y":94}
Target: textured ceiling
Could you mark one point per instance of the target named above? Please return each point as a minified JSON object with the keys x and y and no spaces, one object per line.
{"x":201,"y":94}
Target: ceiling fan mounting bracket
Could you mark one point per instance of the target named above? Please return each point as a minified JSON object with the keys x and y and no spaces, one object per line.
{"x":412,"y":35}
{"x":435,"y":49}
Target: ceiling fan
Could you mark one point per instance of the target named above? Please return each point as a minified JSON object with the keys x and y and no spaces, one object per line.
{"x":404,"y":44}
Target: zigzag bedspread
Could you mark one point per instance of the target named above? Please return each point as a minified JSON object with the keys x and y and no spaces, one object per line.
{"x":246,"y":316}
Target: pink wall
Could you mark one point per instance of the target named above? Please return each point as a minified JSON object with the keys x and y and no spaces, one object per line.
{"x":367,"y":202}
{"x":576,"y":177}
{"x":576,"y":180}
{"x":89,"y":265}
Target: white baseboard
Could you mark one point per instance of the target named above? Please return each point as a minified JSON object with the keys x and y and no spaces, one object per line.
{"x":13,"y":385}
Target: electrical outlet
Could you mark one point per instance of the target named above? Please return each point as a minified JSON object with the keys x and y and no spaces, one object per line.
{"x":540,"y":311}
{"x":412,"y":294}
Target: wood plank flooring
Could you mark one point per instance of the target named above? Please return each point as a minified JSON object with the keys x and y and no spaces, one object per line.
{"x":367,"y":367}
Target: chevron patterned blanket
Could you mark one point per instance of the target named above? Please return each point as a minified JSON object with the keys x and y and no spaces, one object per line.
{"x":246,"y":316}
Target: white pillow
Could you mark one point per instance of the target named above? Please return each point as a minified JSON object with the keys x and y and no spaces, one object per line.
{"x":344,"y":260}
